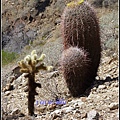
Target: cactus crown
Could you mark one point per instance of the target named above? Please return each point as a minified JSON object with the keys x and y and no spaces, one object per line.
{"x":32,"y":64}
{"x":74,"y":3}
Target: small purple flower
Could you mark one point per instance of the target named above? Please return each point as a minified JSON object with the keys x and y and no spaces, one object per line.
{"x":50,"y":102}
{"x":42,"y":102}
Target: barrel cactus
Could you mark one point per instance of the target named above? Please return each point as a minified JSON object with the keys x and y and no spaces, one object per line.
{"x":80,"y":28}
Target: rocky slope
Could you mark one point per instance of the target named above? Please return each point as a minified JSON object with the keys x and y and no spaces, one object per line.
{"x":99,"y":102}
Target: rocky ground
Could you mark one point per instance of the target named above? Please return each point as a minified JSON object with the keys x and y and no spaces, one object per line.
{"x":100,"y":102}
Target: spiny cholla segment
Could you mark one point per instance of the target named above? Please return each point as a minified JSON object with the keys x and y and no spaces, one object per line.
{"x":32,"y":64}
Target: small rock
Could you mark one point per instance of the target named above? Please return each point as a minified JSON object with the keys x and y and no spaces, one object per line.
{"x":7,"y":93}
{"x":67,"y":109}
{"x":21,"y":115}
{"x":83,"y":99}
{"x":97,"y":78}
{"x":80,"y":103}
{"x":18,"y":80}
{"x":75,"y":105}
{"x":69,"y":99}
{"x":25,"y":84}
{"x":53,"y":74}
{"x":66,"y":105}
{"x":76,"y":111}
{"x":94,"y":89}
{"x":51,"y":106}
{"x":101,"y":87}
{"x":117,"y":114}
{"x":56,"y":111}
{"x":15,"y":111}
{"x":11,"y":79}
{"x":8,"y":87}
{"x":113,"y":106}
{"x":75,"y":101}
{"x":93,"y":115}
{"x":84,"y":115}
{"x":77,"y":114}
{"x":114,"y":85}
{"x":54,"y":116}
{"x":26,"y":89}
{"x":41,"y":109}
{"x":16,"y":71}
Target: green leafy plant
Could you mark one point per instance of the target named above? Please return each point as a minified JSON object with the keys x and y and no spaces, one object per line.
{"x":31,"y":65}
{"x":8,"y":57}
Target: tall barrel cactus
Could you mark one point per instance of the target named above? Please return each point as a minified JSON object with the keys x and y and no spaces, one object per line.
{"x":80,"y":28}
{"x":31,"y":65}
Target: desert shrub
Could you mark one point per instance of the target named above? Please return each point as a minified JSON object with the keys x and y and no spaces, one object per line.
{"x":97,"y":3}
{"x":8,"y":57}
{"x":109,"y":32}
{"x":104,"y":3}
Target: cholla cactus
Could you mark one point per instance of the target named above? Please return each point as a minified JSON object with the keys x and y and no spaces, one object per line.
{"x":31,"y":65}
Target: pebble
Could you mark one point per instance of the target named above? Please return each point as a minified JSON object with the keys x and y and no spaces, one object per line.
{"x":54,"y":116}
{"x":67,"y":109}
{"x":25,"y":84}
{"x":7,"y":93}
{"x":83,"y":99}
{"x":26,"y":89}
{"x":117,"y":115}
{"x":8,"y":87}
{"x":15,"y":111}
{"x":79,"y":101}
{"x":40,"y":109}
{"x":113,"y":106}
{"x":76,"y":111}
{"x":53,"y":74}
{"x":83,"y":115}
{"x":94,"y":89}
{"x":56,"y":111}
{"x":93,"y":115}
{"x":66,"y":105}
{"x":114,"y":85}
{"x":11,"y":79}
{"x":51,"y":106}
{"x":80,"y":104}
{"x":97,"y":78}
{"x":101,"y":86}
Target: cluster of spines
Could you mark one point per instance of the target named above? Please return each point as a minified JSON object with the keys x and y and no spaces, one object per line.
{"x":31,"y":63}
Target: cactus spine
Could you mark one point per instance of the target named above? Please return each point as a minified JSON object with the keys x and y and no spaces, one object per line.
{"x":31,"y":65}
{"x":80,"y":28}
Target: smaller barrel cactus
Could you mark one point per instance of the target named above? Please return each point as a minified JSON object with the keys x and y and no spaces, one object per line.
{"x":75,"y":66}
{"x":31,"y":65}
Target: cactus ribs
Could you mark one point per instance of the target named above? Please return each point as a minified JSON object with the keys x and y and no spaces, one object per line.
{"x":80,"y":28}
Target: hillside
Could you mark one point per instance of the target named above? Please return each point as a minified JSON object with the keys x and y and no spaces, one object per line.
{"x":28,"y":25}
